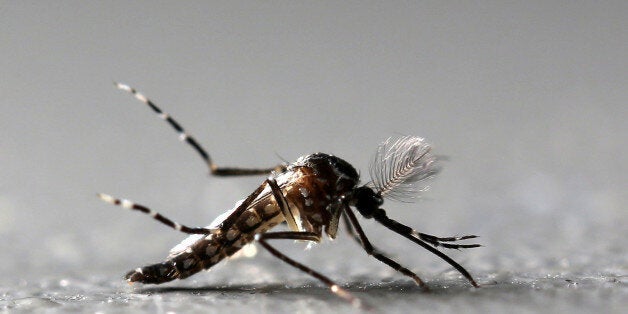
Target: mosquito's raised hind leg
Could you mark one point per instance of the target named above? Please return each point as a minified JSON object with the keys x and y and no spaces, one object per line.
{"x":157,"y":216}
{"x":306,"y":236}
{"x":226,"y":224}
{"x":185,"y":137}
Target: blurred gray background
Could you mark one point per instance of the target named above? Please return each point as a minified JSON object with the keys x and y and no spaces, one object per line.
{"x":527,"y":99}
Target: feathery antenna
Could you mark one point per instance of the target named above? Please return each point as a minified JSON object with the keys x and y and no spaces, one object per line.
{"x":401,"y":168}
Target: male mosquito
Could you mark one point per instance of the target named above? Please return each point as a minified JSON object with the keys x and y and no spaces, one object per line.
{"x":310,"y":195}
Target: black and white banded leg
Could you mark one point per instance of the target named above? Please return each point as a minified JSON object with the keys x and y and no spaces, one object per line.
{"x":411,"y":234}
{"x":124,"y":203}
{"x":360,"y":237}
{"x":226,"y":224}
{"x":438,"y":241}
{"x":185,"y":137}
{"x":306,"y":236}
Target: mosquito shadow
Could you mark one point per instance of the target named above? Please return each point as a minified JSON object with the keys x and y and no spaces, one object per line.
{"x":315,"y":288}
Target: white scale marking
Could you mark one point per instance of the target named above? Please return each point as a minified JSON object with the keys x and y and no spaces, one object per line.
{"x":107,"y":198}
{"x":123,"y":87}
{"x":249,"y":250}
{"x":141,"y":97}
{"x":126,"y":204}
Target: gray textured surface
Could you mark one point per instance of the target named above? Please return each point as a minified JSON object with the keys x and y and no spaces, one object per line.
{"x":527,"y":100}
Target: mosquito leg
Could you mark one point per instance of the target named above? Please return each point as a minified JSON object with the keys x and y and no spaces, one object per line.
{"x":438,"y":241}
{"x":226,"y":224}
{"x":185,"y":137}
{"x":381,"y":217}
{"x":447,"y":239}
{"x":305,"y":236}
{"x":157,"y":216}
{"x":298,"y":235}
{"x":350,"y":230}
{"x":283,"y":204}
{"x":281,"y":200}
{"x":350,"y":219}
{"x":235,"y":215}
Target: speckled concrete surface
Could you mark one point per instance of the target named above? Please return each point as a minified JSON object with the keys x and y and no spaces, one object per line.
{"x":516,"y":292}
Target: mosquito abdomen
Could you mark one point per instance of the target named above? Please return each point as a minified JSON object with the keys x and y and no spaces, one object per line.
{"x":177,"y":267}
{"x":157,"y":273}
{"x":210,"y":249}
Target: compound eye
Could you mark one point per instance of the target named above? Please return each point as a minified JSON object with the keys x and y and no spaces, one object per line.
{"x":367,"y":201}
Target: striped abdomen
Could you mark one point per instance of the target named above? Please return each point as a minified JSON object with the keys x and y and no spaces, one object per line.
{"x":201,"y":251}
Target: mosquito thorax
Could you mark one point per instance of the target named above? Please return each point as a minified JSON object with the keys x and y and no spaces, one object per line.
{"x":330,"y":167}
{"x":367,"y":201}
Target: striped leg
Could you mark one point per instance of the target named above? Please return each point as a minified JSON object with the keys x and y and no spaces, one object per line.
{"x":184,"y":137}
{"x":225,"y":225}
{"x":410,"y":234}
{"x":361,"y":238}
{"x":283,"y":204}
{"x":305,"y":236}
{"x":436,"y":241}
{"x":157,"y":216}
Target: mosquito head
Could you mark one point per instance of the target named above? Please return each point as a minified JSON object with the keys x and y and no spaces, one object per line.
{"x":366,"y":201}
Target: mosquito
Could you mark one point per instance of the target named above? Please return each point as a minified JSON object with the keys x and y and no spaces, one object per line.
{"x":310,"y":195}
